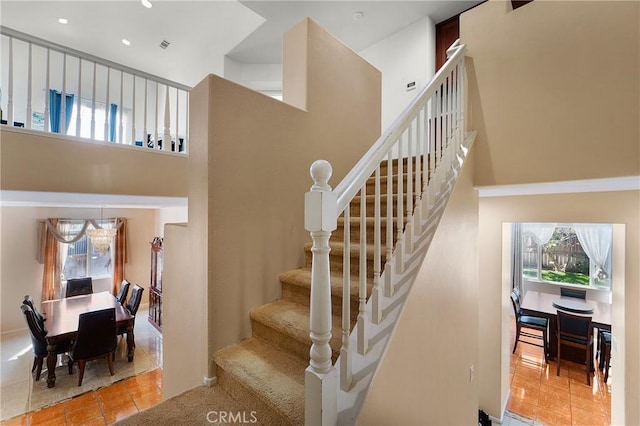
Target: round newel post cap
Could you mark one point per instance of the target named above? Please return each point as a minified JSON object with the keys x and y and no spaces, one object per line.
{"x":321,"y":172}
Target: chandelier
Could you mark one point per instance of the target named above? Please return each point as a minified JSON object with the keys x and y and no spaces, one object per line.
{"x":101,"y":238}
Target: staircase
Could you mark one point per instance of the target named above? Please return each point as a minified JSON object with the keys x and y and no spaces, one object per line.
{"x":266,"y":371}
{"x":313,"y":353}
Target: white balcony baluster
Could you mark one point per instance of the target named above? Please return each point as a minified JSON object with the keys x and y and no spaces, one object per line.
{"x":167,"y":122}
{"x":29,"y":88}
{"x":10,"y":82}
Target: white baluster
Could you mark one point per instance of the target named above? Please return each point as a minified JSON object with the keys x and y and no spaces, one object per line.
{"x":177,"y":149}
{"x":399,"y":254}
{"x":10,"y":82}
{"x":186,"y":133}
{"x":155,"y":121}
{"x":146,"y":101}
{"x":346,"y":370}
{"x":409,"y":228}
{"x":63,"y":97}
{"x":388,"y":289}
{"x":121,"y":108}
{"x":417,"y":210}
{"x":93,"y":103}
{"x":107,"y":113}
{"x":363,"y":321}
{"x":376,"y":294}
{"x":47,"y":127}
{"x":133,"y":114}
{"x":79,"y":107}
{"x":320,"y":376}
{"x":29,"y":88}
{"x":167,"y":122}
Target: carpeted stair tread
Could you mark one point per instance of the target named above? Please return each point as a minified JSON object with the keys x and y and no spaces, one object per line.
{"x":292,"y":320}
{"x":302,"y":278}
{"x":270,"y":374}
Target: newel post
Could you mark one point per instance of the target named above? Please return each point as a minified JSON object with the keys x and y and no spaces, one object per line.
{"x":320,"y":219}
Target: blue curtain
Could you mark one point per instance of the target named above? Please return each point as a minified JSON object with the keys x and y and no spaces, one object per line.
{"x":112,"y":122}
{"x":55,"y":106}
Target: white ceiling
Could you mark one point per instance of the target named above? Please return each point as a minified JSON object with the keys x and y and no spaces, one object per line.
{"x":200,"y":33}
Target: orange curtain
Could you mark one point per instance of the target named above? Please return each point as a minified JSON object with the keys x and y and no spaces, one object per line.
{"x":120,"y":255}
{"x":51,"y":275}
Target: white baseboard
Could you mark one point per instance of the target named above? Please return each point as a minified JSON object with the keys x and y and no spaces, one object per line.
{"x":209,"y":381}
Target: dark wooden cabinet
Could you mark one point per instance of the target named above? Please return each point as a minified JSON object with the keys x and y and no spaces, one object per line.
{"x":155,"y":289}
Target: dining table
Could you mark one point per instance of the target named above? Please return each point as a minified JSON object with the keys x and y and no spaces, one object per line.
{"x":546,"y":305}
{"x":62,"y":323}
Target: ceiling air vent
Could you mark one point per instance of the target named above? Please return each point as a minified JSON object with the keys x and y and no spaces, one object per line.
{"x":164,"y":44}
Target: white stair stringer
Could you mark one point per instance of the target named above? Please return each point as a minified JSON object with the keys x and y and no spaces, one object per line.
{"x":365,"y":366}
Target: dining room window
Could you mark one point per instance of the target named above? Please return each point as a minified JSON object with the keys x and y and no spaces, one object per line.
{"x":567,"y":253}
{"x":81,"y":259}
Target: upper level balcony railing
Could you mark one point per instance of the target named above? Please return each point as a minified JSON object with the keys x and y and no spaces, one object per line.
{"x":103,"y":100}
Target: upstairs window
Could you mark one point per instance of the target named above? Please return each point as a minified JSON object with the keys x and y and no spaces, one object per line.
{"x":570,"y":253}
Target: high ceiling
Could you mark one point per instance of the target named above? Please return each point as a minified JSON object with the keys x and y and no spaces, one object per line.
{"x":201,"y":33}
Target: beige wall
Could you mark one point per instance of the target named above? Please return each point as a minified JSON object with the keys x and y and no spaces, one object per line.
{"x":495,"y":312}
{"x":425,"y":376}
{"x":553,"y":94}
{"x":249,"y":170}
{"x":184,"y":354}
{"x":554,"y":90}
{"x":36,"y":161}
{"x":21,"y":274}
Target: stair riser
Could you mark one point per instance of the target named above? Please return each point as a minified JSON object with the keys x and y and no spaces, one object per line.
{"x":276,"y":337}
{"x":354,"y":232}
{"x":371,"y":183}
{"x":383,"y":166}
{"x":298,"y":294}
{"x":336,"y":262}
{"x":370,"y":206}
{"x":265,"y":414}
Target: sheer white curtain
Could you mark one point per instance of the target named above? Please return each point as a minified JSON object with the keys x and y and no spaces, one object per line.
{"x":595,"y":239}
{"x":516,"y":257}
{"x":540,"y":232}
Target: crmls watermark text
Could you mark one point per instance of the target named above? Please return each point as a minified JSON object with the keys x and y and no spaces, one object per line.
{"x":232,"y":417}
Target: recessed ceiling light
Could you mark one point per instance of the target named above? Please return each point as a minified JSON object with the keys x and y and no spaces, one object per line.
{"x":63,"y":20}
{"x":126,"y":42}
{"x":358,"y":15}
{"x":147,"y":4}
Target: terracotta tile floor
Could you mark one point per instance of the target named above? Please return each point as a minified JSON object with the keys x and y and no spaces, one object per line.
{"x":538,"y":394}
{"x":100,"y":407}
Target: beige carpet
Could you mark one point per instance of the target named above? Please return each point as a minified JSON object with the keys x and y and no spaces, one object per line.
{"x":199,"y":406}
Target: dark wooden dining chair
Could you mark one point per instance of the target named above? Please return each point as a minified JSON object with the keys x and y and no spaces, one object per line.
{"x":96,"y":339}
{"x":524,"y":322}
{"x":135,"y":299}
{"x":39,"y":341}
{"x":122,"y":293}
{"x":604,"y":352}
{"x":79,"y":286}
{"x":575,"y":331}
{"x":29,"y":302}
{"x":573,"y":292}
